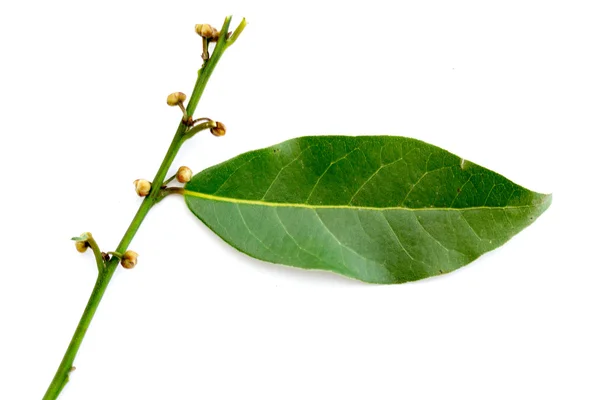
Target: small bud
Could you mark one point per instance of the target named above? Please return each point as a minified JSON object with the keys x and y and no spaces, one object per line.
{"x":81,"y":246}
{"x":218,"y":130}
{"x":176,"y":98}
{"x":206,"y":31}
{"x":142,"y":187}
{"x":129,"y":259}
{"x":184,"y":174}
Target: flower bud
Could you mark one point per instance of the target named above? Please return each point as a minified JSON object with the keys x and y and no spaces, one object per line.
{"x":129,"y":259}
{"x":205,"y":30}
{"x":184,"y":174}
{"x":81,"y":246}
{"x":175,"y":98}
{"x":218,"y":130}
{"x":142,"y":187}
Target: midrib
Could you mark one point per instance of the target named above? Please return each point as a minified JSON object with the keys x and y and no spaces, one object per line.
{"x":316,"y":206}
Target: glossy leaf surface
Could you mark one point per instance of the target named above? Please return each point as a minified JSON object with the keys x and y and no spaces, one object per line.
{"x":380,"y":209}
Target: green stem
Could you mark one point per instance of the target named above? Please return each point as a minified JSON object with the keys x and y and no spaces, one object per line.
{"x":62,"y":374}
{"x":205,"y":72}
{"x":104,"y":275}
{"x":165,"y":183}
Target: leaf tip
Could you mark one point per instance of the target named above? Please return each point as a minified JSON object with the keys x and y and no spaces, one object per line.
{"x":546,"y":201}
{"x":541,"y":204}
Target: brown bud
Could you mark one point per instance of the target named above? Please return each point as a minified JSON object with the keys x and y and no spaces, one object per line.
{"x":142,"y":187}
{"x":129,"y":259}
{"x":205,"y":30}
{"x":218,"y":130}
{"x":175,"y":98}
{"x":184,"y":174}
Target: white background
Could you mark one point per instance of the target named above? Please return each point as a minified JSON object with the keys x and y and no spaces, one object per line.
{"x":511,"y":85}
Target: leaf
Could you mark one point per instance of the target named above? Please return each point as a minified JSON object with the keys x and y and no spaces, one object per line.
{"x":381,"y":209}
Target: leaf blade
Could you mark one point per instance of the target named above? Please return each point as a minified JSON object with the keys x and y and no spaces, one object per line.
{"x":380,"y":209}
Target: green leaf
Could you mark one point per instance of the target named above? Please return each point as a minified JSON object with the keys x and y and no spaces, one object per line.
{"x":381,"y":209}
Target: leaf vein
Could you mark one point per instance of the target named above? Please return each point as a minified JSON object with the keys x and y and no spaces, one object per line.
{"x":420,"y":179}
{"x":433,"y":237}
{"x":252,"y":233}
{"x":338,"y":240}
{"x":372,"y":176}
{"x":469,"y":225}
{"x":325,"y":172}
{"x":281,"y":170}
{"x":298,"y":244}
{"x":233,"y":173}
{"x":207,"y":196}
{"x":397,"y":238}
